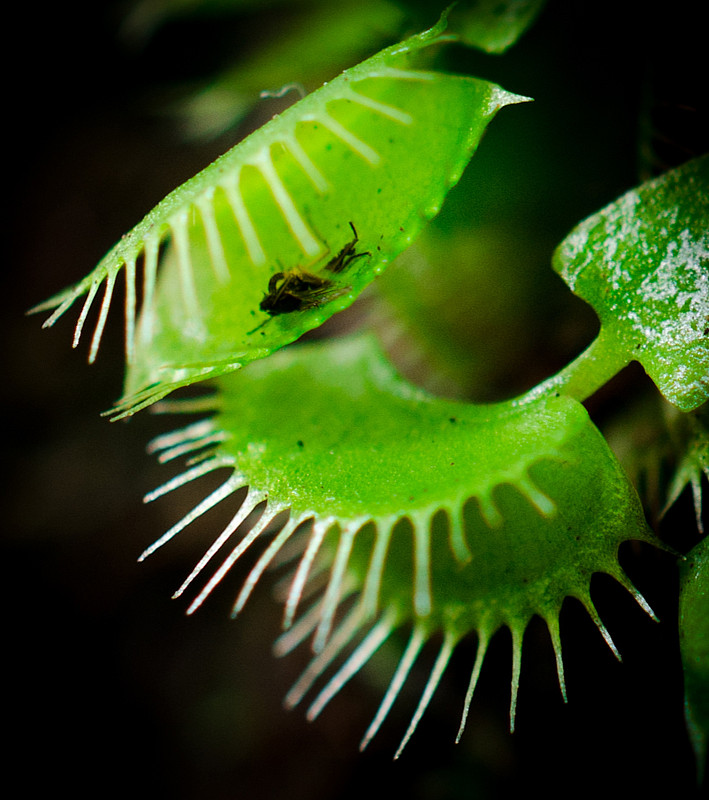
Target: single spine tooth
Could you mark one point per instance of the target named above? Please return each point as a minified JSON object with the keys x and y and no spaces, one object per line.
{"x":367,"y":648}
{"x":458,"y":542}
{"x":184,"y":478}
{"x":334,"y":587}
{"x":130,"y":306}
{"x":360,"y":147}
{"x":483,"y":640}
{"x":392,"y":112}
{"x":179,"y":227}
{"x":517,"y":636}
{"x":422,"y":566}
{"x":373,"y":582}
{"x":292,"y":144}
{"x":227,"y":488}
{"x":262,"y":564}
{"x":320,"y":528}
{"x":399,"y":74}
{"x":542,"y":502}
{"x":84,"y":313}
{"x":243,"y":220}
{"x":305,"y":239}
{"x":413,"y":648}
{"x":150,"y":272}
{"x":103,"y":314}
{"x":622,"y":579}
{"x":489,"y":511}
{"x":553,"y":627}
{"x":444,"y":654}
{"x":591,"y":609}
{"x":205,"y":205}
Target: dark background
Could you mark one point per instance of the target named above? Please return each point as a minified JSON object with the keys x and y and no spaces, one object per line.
{"x":110,"y":689}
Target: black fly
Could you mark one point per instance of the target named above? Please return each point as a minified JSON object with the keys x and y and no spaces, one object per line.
{"x":298,"y":290}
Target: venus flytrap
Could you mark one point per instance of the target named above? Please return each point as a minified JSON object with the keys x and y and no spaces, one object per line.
{"x":450,"y":529}
{"x":445,"y":518}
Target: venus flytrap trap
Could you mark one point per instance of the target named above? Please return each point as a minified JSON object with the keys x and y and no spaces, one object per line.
{"x":391,"y":509}
{"x":284,"y":200}
{"x":441,"y":516}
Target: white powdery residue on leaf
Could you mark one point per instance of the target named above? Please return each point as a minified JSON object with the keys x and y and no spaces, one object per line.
{"x":682,"y":278}
{"x":619,"y":276}
{"x":649,"y":333}
{"x":610,"y":247}
{"x":680,"y":380}
{"x":621,"y":221}
{"x":621,"y":229}
{"x":575,"y":245}
{"x":610,"y":268}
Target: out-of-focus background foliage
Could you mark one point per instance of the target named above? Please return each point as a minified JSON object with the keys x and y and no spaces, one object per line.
{"x":111,"y":689}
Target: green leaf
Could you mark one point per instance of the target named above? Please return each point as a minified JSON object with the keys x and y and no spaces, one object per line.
{"x":694,"y":642}
{"x":494,"y":25}
{"x":374,"y":151}
{"x":643,"y":264}
{"x":444,"y":516}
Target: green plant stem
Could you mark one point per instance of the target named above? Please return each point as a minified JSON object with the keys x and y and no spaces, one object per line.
{"x":587,"y":373}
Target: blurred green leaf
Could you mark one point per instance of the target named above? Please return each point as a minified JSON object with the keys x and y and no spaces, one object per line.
{"x":493,"y":25}
{"x":322,"y":40}
{"x":694,"y":641}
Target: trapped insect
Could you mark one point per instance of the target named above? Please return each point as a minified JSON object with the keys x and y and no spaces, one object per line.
{"x":346,"y":256}
{"x":298,"y":290}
